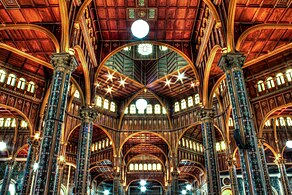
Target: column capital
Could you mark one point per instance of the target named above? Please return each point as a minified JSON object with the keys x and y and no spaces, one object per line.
{"x":279,"y":160}
{"x":206,"y":113}
{"x":231,"y":161}
{"x":64,"y":61}
{"x":261,"y":141}
{"x":231,"y":60}
{"x":88,"y":114}
{"x":174,"y":173}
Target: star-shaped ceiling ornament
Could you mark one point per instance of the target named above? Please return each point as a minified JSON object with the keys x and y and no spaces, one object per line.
{"x":180,"y":77}
{"x":108,"y":90}
{"x":97,"y":85}
{"x":122,"y":82}
{"x":193,"y":84}
{"x":167,"y":82}
{"x":110,"y":76}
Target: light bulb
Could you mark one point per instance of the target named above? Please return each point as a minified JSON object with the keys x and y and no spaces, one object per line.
{"x":289,"y":144}
{"x":141,"y":104}
{"x":143,"y":189}
{"x":189,"y":187}
{"x":106,"y":192}
{"x":3,"y":146}
{"x":142,"y":182}
{"x":140,"y":28}
{"x":183,"y":192}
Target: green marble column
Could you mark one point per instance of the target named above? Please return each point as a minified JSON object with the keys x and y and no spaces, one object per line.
{"x":28,"y":172}
{"x":265,"y":167}
{"x":59,"y":174}
{"x":232,"y":174}
{"x":64,"y":64}
{"x":87,"y":116}
{"x":280,"y":161}
{"x":174,"y":183}
{"x":210,"y":155}
{"x":116,"y":183}
{"x":7,"y":176}
{"x":244,"y":132}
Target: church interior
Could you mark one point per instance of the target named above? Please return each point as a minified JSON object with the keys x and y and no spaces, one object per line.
{"x":156,"y":97}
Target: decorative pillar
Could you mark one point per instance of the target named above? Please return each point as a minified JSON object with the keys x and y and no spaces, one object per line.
{"x":280,"y":161}
{"x":174,"y":184}
{"x":244,"y":132}
{"x":265,"y":167}
{"x":59,"y":174}
{"x":64,"y":64}
{"x":7,"y":176}
{"x":232,"y":174}
{"x":211,"y":160}
{"x":87,"y":115}
{"x":28,"y":171}
{"x":116,"y":184}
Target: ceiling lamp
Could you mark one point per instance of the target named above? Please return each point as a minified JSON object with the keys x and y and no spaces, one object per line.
{"x":183,"y":192}
{"x":106,"y":192}
{"x":289,"y":144}
{"x":141,"y":104}
{"x":3,"y":146}
{"x":189,"y":187}
{"x":143,"y":189}
{"x":140,"y":28}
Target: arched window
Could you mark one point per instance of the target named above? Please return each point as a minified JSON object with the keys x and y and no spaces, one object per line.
{"x":107,"y":142}
{"x":277,"y":122}
{"x":190,"y":101}
{"x":176,"y":107}
{"x":103,"y":144}
{"x":11,"y":80}
{"x":230,"y":122}
{"x":77,"y":94}
{"x":289,"y":75}
{"x":132,"y":109}
{"x":201,"y":147}
{"x":1,"y":122}
{"x":13,"y":123}
{"x":99,"y":145}
{"x":105,"y":104}
{"x":187,"y":143}
{"x":113,"y":107}
{"x":136,"y":167}
{"x":289,"y":121}
{"x":131,"y":167}
{"x":2,"y":76}
{"x":218,"y":148}
{"x":92,"y":148}
{"x":223,"y":145}
{"x":149,"y":167}
{"x":183,"y":142}
{"x":198,"y":147}
{"x":191,"y":144}
{"x":126,"y":110}
{"x":159,"y":168}
{"x":7,"y":122}
{"x":282,"y":121}
{"x":145,"y":167}
{"x":194,"y":146}
{"x":163,"y":110}
{"x":149,"y":109}
{"x":183,"y":104}
{"x":99,"y":101}
{"x":268,"y":123}
{"x":96,"y":146}
{"x":280,"y":79}
{"x":140,"y":167}
{"x":261,"y":86}
{"x":157,"y":109}
{"x":197,"y":99}
{"x":154,"y":167}
{"x":270,"y":82}
{"x":31,"y":87}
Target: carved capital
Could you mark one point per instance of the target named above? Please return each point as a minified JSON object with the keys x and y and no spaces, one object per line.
{"x":174,"y":174}
{"x":231,"y":161}
{"x":88,"y":114}
{"x":231,"y":60}
{"x":206,"y":114}
{"x":279,"y":160}
{"x":64,"y":61}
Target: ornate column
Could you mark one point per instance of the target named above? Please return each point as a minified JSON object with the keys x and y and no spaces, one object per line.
{"x":265,"y":167}
{"x":28,"y":172}
{"x":116,"y":183}
{"x":174,"y":184}
{"x":87,"y":115}
{"x":244,"y":132}
{"x":211,"y":160}
{"x":7,"y":176}
{"x":59,"y":174}
{"x":64,"y":64}
{"x":280,"y":161}
{"x":232,"y":174}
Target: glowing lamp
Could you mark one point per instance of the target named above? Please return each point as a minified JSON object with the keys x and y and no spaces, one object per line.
{"x":140,"y":28}
{"x":3,"y":146}
{"x":141,"y":104}
{"x":289,"y":144}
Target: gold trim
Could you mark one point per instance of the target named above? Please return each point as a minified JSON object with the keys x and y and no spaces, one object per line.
{"x":82,"y":10}
{"x":207,"y":73}
{"x":86,"y":73}
{"x":151,"y":42}
{"x":23,"y":54}
{"x":36,"y":28}
{"x":65,"y":26}
{"x":141,"y":132}
{"x":230,"y":25}
{"x":260,"y":27}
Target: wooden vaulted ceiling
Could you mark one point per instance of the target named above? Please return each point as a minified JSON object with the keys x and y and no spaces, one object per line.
{"x":168,"y":19}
